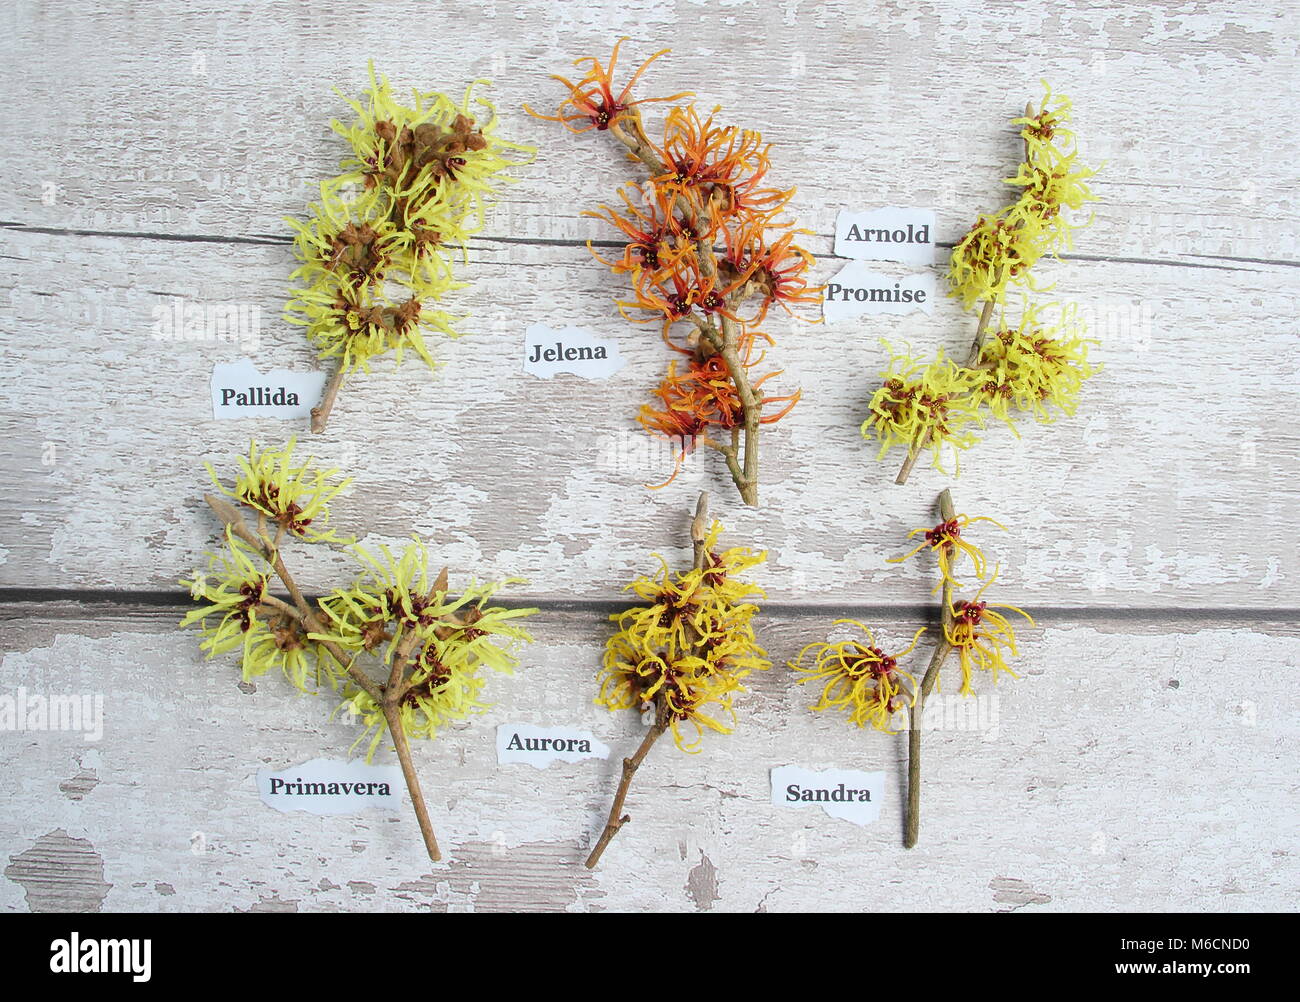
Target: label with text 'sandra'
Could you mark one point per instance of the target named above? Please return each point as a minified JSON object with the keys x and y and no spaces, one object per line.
{"x":849,"y":794}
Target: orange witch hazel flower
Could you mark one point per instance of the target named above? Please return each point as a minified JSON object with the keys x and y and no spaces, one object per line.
{"x":592,"y":99}
{"x":780,"y":268}
{"x":707,"y":189}
{"x":700,"y":399}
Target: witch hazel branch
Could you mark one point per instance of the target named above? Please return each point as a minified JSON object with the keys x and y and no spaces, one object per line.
{"x":857,"y":676}
{"x":398,"y":650}
{"x":377,"y":254}
{"x":1033,"y":365}
{"x":705,"y":254}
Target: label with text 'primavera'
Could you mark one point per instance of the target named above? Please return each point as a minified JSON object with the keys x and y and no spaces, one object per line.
{"x":842,"y":793}
{"x":549,"y":351}
{"x":855,"y":291}
{"x":540,"y":746}
{"x":331,"y":786}
{"x":888,"y":234}
{"x":239,"y":390}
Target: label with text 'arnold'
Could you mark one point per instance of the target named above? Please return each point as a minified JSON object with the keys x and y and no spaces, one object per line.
{"x":331,"y":786}
{"x":540,"y":746}
{"x":856,"y":291}
{"x":239,"y":390}
{"x":842,"y":793}
{"x":888,"y":234}
{"x":551,"y":350}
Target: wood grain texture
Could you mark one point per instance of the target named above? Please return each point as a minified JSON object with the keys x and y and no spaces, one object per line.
{"x":1173,"y":486}
{"x":152,"y":151}
{"x":1095,"y":781}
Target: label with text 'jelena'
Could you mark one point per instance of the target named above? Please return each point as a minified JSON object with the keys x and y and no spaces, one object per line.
{"x":331,"y":786}
{"x":239,"y":390}
{"x":540,"y":746}
{"x":549,"y":351}
{"x":855,"y":291}
{"x":842,"y":793}
{"x":888,"y":234}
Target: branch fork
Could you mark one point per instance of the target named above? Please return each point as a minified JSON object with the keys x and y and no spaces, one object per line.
{"x":389,"y":695}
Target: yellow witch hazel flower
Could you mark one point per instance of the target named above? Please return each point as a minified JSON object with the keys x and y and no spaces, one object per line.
{"x":1035,"y":365}
{"x":982,"y":636}
{"x":857,"y":676}
{"x":1024,"y":368}
{"x":946,"y":543}
{"x":994,"y":252}
{"x":379,"y":247}
{"x":295,"y":498}
{"x":441,"y":642}
{"x":232,"y":593}
{"x":921,"y":401}
{"x":860,"y":678}
{"x":408,"y":655}
{"x":239,"y":613}
{"x":410,"y":150}
{"x":686,"y":651}
{"x":682,"y":654}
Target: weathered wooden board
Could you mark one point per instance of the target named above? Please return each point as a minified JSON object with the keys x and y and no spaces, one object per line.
{"x":1119,"y":770}
{"x":1174,"y":485}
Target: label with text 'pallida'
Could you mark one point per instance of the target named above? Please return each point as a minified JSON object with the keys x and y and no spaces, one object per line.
{"x":540,"y":746}
{"x":331,"y":786}
{"x":842,"y":793}
{"x":239,"y":391}
{"x":552,"y":350}
{"x":888,"y":234}
{"x":855,"y":291}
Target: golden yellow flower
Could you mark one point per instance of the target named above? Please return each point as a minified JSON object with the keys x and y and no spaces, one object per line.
{"x":687,"y":649}
{"x":295,"y":498}
{"x":860,"y":678}
{"x":1034,"y":365}
{"x":924,"y":405}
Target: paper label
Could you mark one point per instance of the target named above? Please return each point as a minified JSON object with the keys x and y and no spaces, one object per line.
{"x":888,"y":234}
{"x":855,"y":291}
{"x":240,"y":391}
{"x":842,"y":793}
{"x":331,"y":786}
{"x":540,"y":746}
{"x":548,"y":350}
